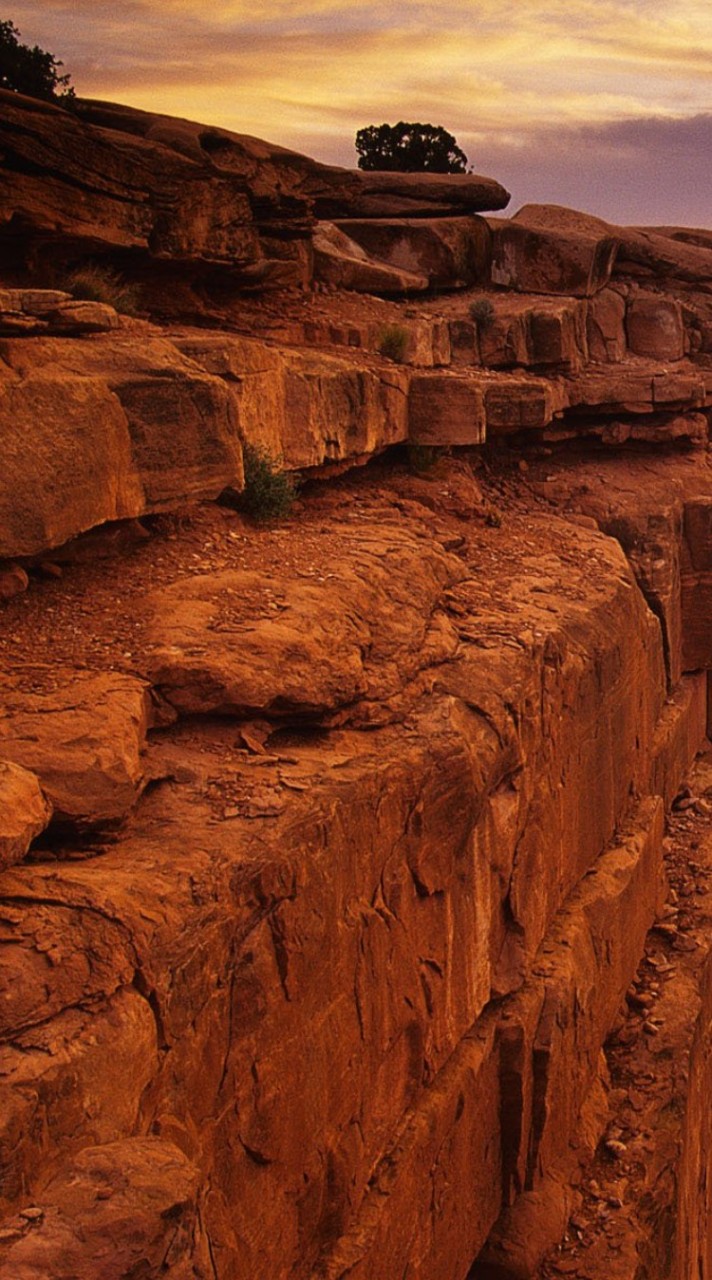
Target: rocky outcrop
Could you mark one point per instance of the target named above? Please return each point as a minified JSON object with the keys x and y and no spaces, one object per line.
{"x":534,"y":252}
{"x":110,"y":180}
{"x":329,"y":853}
{"x":450,"y":253}
{"x":340,"y":261}
{"x":336,"y":909}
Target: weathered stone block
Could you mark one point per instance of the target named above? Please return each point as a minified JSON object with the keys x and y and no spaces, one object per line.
{"x":538,"y":255}
{"x":605,"y":327}
{"x":655,"y":327}
{"x":449,"y":252}
{"x":521,"y":403}
{"x":445,"y":409}
{"x":83,"y":740}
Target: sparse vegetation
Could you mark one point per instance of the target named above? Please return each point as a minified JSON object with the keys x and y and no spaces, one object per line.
{"x":482,"y":312}
{"x":422,"y":457}
{"x":269,"y":491}
{"x":30,"y":70}
{"x":393,"y":342}
{"x":409,"y":147}
{"x":96,"y":283}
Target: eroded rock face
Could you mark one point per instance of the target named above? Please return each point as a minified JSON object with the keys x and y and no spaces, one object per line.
{"x":449,"y":252}
{"x":537,"y":252}
{"x":83,"y":737}
{"x":330,"y":892}
{"x":105,"y":429}
{"x":111,"y":178}
{"x":352,"y":957}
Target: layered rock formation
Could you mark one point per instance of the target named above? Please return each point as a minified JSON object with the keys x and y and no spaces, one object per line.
{"x":330,"y":849}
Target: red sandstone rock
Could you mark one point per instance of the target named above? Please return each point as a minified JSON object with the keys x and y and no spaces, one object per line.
{"x":654,"y":327}
{"x":522,"y":403}
{"x":537,"y":251}
{"x":24,"y":812}
{"x":444,"y":409}
{"x":100,"y":430}
{"x":118,"y":1210}
{"x":305,"y":408}
{"x":83,"y":739}
{"x":448,"y":252}
{"x":232,"y":645}
{"x":13,"y":580}
{"x":605,"y":327}
{"x":340,"y":261}
{"x":66,"y":179}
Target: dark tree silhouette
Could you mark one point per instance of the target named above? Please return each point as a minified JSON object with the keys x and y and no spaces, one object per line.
{"x":31,"y":70}
{"x":409,"y":148}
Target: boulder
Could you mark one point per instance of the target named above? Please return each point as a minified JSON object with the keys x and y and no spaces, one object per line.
{"x":13,"y":580}
{"x":106,"y":429}
{"x":340,"y":261}
{"x":451,"y":252}
{"x":544,"y":250}
{"x":24,"y":812}
{"x":83,"y":737}
{"x":655,"y":327}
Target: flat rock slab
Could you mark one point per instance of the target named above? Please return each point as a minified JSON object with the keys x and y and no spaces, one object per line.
{"x":236,"y":643}
{"x":83,"y":739}
{"x":356,"y":193}
{"x":305,"y":407}
{"x":24,"y":812}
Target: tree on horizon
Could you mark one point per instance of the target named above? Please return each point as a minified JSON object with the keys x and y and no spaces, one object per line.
{"x":30,"y":70}
{"x":409,"y":148}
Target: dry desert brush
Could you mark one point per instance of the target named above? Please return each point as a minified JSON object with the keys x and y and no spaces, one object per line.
{"x":96,"y":283}
{"x":269,"y":490}
{"x":393,"y":342}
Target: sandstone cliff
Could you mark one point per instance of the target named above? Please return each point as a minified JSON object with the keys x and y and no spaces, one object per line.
{"x":354,"y":899}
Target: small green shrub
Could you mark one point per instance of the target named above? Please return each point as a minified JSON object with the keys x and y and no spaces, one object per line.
{"x":422,"y":457}
{"x":94,"y":283}
{"x":269,"y":492}
{"x":393,"y":342}
{"x":482,"y":312}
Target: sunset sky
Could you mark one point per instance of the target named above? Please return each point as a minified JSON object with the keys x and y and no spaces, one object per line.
{"x":604,"y":105}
